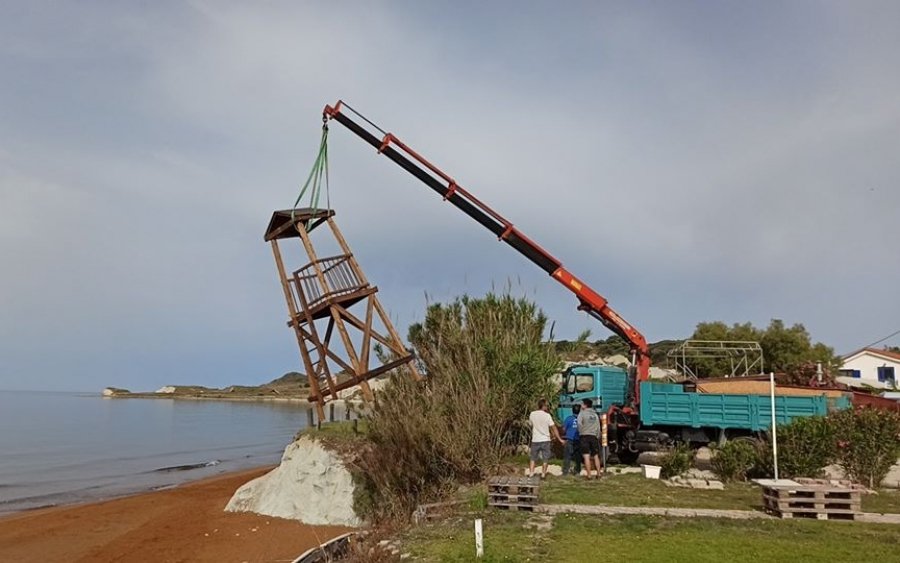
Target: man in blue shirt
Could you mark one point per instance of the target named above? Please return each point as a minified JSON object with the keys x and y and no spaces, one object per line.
{"x":572,"y":451}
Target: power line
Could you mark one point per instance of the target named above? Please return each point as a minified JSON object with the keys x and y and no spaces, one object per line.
{"x":889,"y":336}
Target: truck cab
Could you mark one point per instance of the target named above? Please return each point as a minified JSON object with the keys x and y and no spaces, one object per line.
{"x":604,"y":385}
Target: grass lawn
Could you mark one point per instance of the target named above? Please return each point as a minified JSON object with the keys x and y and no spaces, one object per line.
{"x":887,"y":501}
{"x":513,"y":537}
{"x":634,"y":490}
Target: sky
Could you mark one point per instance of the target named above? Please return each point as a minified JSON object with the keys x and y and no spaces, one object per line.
{"x":690,"y":161}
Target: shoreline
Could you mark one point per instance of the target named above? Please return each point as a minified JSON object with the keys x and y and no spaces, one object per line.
{"x":276,"y":399}
{"x":182,"y":523}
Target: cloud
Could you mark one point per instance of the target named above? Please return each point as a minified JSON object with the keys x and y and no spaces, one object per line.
{"x":690,"y":164}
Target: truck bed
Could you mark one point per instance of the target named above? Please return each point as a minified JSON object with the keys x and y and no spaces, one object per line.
{"x":669,"y":405}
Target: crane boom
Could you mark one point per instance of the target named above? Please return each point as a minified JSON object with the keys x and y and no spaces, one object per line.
{"x":445,"y":186}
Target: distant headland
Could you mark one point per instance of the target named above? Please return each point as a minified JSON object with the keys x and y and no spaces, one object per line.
{"x":291,"y":386}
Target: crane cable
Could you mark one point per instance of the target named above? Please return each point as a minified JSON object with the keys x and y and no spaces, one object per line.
{"x":314,"y":180}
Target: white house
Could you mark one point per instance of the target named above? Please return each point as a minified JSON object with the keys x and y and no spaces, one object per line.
{"x":871,"y":365}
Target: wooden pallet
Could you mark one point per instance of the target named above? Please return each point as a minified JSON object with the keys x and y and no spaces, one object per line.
{"x":513,"y":493}
{"x":812,"y":501}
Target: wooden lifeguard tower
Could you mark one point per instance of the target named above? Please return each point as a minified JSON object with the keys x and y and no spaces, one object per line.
{"x":321,"y":293}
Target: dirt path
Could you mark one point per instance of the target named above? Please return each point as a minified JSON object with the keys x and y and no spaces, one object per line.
{"x":688,"y":512}
{"x":186,"y":524}
{"x":653,"y":511}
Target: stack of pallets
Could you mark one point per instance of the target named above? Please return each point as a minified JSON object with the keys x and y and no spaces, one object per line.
{"x":513,"y":493}
{"x":823,"y":502}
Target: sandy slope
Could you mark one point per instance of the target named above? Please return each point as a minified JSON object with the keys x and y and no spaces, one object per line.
{"x":186,"y":524}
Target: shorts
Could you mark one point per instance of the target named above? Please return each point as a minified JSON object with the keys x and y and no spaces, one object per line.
{"x":539,"y":448}
{"x":590,"y":445}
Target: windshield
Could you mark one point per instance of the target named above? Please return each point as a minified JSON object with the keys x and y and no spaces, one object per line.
{"x":578,"y":382}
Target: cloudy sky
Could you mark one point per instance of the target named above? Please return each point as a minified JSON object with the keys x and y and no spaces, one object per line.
{"x":691,"y":161}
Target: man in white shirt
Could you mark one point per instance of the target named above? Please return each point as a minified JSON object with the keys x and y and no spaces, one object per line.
{"x":542,"y":428}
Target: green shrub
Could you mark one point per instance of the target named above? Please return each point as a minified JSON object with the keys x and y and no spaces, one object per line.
{"x":734,"y":460}
{"x":487,"y":364}
{"x":764,"y":463}
{"x":677,"y":461}
{"x":805,"y":447}
{"x":868,"y":443}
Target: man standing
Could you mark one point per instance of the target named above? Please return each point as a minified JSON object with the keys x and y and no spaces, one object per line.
{"x":542,"y":427}
{"x":573,"y":448}
{"x":589,"y":431}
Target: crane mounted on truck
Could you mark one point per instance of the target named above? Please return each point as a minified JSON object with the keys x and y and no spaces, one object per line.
{"x":589,"y":300}
{"x":671,"y":413}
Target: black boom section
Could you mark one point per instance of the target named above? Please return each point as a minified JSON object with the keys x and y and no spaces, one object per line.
{"x":523,"y":246}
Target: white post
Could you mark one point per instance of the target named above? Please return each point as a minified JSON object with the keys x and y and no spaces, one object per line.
{"x":774,"y":424}
{"x":479,"y":539}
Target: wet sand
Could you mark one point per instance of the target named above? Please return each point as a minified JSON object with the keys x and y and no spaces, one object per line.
{"x":184,"y":524}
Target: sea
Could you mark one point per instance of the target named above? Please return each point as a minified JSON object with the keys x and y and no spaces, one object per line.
{"x":67,"y":448}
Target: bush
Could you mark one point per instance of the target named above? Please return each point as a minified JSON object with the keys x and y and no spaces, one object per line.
{"x":868,"y":443}
{"x":487,"y":364}
{"x":677,"y":461}
{"x":734,"y":460}
{"x":805,"y":447}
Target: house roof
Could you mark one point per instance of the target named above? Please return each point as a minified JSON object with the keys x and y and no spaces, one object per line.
{"x":883,"y":353}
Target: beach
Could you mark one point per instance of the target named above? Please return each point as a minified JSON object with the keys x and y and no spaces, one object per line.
{"x":182,"y":524}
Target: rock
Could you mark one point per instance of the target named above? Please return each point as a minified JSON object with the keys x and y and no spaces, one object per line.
{"x":112,"y":391}
{"x":892,"y":480}
{"x":311,"y":485}
{"x":675,"y":482}
{"x":168,"y":389}
{"x":355,"y":391}
{"x":703,"y":454}
{"x":703,"y":474}
{"x":624,"y":470}
{"x":711,"y":484}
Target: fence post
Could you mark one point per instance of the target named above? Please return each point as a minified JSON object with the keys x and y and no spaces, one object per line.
{"x":479,"y":539}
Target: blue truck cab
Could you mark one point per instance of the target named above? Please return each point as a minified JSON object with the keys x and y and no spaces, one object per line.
{"x":604,"y":385}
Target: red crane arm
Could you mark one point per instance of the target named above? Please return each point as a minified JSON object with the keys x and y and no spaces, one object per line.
{"x":589,"y":300}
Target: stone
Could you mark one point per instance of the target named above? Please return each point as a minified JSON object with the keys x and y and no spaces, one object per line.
{"x":700,"y":474}
{"x":311,"y":485}
{"x":892,"y":480}
{"x":625,"y":470}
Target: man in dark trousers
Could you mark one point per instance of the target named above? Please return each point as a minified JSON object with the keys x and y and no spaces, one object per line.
{"x":573,"y":447}
{"x":589,"y":431}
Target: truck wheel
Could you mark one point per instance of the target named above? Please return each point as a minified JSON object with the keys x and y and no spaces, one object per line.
{"x":626,"y":457}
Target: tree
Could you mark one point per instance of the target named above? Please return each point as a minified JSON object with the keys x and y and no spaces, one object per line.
{"x":497,"y":335}
{"x":486,"y":366}
{"x":785,"y":349}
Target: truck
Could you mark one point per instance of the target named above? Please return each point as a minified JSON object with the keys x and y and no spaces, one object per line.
{"x":637,"y":421}
{"x":677,"y":412}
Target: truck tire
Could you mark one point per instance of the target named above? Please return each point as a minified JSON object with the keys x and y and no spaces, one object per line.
{"x":626,"y":457}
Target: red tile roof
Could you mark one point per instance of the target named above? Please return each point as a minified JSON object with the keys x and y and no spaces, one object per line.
{"x":877,"y":351}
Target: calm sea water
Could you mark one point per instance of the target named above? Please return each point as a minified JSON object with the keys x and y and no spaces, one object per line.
{"x":62,"y":448}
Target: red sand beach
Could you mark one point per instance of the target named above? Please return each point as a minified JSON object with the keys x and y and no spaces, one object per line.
{"x":185,"y":524}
